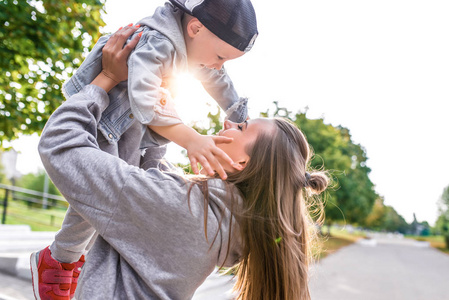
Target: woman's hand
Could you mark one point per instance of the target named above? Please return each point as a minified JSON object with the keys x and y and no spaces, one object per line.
{"x":115,"y":56}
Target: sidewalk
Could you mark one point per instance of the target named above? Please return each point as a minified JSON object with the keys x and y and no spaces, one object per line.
{"x":15,"y":288}
{"x":16,"y":244}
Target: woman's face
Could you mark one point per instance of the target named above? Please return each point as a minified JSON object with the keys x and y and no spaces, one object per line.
{"x":243,"y":134}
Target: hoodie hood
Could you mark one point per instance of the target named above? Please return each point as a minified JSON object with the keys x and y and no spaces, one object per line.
{"x":167,"y":20}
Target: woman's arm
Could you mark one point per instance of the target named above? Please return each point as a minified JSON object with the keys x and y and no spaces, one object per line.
{"x":90,"y":179}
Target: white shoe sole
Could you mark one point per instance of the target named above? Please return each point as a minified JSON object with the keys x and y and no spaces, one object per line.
{"x":34,"y":260}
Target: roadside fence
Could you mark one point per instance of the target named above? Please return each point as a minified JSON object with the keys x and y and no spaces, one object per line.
{"x":31,"y":206}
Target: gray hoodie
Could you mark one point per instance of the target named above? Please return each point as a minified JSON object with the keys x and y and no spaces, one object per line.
{"x":151,"y":244}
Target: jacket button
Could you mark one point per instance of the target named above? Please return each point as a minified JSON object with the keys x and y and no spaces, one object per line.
{"x":131,"y":116}
{"x":163,"y":101}
{"x":110,"y":135}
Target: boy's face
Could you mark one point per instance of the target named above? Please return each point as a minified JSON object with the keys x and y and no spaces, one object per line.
{"x":205,"y":49}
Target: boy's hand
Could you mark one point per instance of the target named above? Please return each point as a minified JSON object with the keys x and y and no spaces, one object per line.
{"x":200,"y":148}
{"x":203,"y":150}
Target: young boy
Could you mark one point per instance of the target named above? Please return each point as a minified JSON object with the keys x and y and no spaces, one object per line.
{"x":194,"y":35}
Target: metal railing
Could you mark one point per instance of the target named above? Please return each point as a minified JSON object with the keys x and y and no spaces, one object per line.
{"x":30,"y":197}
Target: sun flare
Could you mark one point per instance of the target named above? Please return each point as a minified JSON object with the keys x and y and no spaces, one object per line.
{"x":192,"y":102}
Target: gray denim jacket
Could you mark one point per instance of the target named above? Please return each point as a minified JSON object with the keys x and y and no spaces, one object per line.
{"x":159,"y":55}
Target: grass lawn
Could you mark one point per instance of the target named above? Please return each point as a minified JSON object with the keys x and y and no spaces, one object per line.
{"x":38,"y":219}
{"x":436,"y":241}
{"x":332,"y":244}
{"x":337,"y":239}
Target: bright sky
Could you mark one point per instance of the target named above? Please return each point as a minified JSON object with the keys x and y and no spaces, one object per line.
{"x":379,"y":68}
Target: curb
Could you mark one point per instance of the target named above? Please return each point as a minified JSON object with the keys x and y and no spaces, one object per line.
{"x":17,"y":265}
{"x":17,"y":242}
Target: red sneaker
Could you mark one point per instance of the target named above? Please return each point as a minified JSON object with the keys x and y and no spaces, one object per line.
{"x":76,"y":273}
{"x":51,"y":279}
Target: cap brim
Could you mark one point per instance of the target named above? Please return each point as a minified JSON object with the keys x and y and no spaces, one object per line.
{"x":180,"y":4}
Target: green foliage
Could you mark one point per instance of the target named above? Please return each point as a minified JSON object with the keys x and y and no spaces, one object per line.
{"x":215,"y":124}
{"x":385,"y":218}
{"x":442,"y":223}
{"x":41,"y":43}
{"x":2,"y":171}
{"x":394,"y":222}
{"x":376,"y":218}
{"x":353,"y":196}
{"x":36,"y":182}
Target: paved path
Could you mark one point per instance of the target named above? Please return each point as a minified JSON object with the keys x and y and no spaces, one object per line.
{"x":388,"y":269}
{"x":15,"y":288}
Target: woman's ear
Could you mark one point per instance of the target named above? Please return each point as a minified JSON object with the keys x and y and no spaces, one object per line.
{"x":240,"y":165}
{"x":193,"y":27}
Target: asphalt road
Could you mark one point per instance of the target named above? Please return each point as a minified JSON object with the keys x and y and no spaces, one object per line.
{"x":14,"y":288}
{"x":389,"y":269}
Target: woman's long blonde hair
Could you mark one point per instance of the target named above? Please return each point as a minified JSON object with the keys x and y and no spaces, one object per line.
{"x":275,"y":220}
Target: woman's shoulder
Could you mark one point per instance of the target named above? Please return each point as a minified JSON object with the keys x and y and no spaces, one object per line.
{"x":170,"y":176}
{"x":220,"y":185}
{"x":219,"y":191}
{"x":224,"y":192}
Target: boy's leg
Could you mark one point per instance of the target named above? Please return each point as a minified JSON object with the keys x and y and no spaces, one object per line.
{"x":55,"y":269}
{"x":72,"y":240}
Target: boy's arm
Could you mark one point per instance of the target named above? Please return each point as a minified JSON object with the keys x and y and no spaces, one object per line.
{"x":200,"y":148}
{"x":151,"y":62}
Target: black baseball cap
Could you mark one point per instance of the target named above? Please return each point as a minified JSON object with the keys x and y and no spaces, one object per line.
{"x":233,"y":21}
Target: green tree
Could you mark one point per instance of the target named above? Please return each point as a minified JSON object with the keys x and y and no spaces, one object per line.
{"x":41,"y":43}
{"x":385,"y":218}
{"x":394,"y":222}
{"x":353,"y":196}
{"x":376,"y":218}
{"x":442,"y":223}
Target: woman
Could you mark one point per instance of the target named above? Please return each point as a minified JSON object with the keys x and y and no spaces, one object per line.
{"x":160,"y":233}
